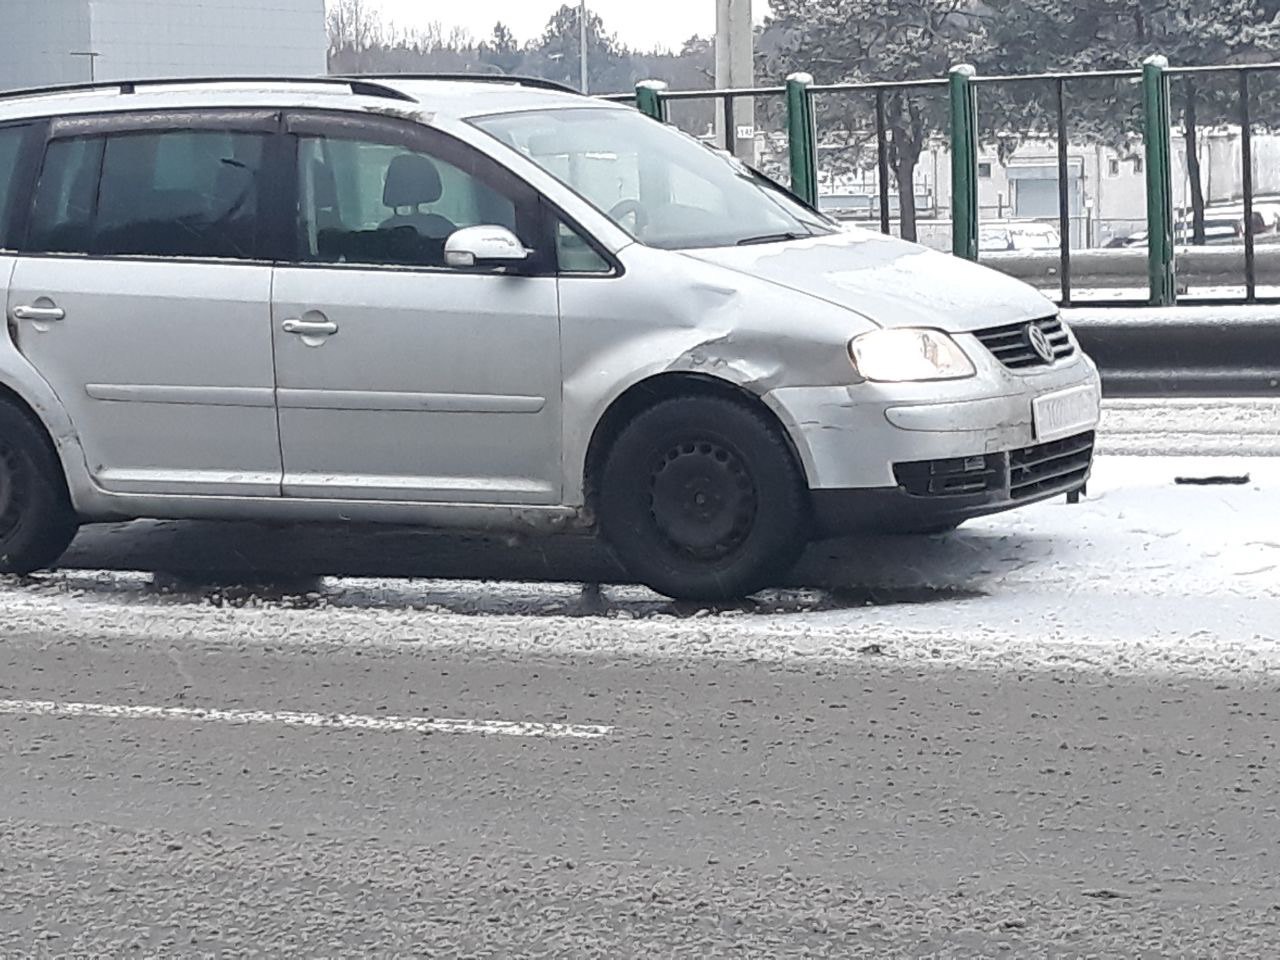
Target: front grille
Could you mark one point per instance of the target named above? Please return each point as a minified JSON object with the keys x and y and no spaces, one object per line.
{"x":1041,"y":470}
{"x":1011,"y":344}
{"x":1060,"y":465}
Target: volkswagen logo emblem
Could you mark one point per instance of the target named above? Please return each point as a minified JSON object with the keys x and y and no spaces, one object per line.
{"x":1039,"y":341}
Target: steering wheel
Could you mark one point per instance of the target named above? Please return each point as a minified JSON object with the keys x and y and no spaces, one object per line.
{"x":629,"y":208}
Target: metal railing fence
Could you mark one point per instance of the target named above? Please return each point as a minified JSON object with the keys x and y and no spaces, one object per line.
{"x":963,"y":89}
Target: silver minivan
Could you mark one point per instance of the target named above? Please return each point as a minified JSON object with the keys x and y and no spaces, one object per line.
{"x":490,"y":304}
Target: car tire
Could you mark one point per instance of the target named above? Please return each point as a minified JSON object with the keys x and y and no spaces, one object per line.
{"x":701,"y":498}
{"x":37,"y":521}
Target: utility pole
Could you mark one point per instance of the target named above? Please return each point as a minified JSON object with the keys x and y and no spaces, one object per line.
{"x":735,"y":68}
{"x":582,"y":44}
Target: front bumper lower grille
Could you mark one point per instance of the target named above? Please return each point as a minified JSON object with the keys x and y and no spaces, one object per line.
{"x":1062,"y":464}
{"x":1027,"y":473}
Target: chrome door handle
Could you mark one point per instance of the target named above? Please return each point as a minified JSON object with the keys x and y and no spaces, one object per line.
{"x":39,"y":313}
{"x":310,"y":328}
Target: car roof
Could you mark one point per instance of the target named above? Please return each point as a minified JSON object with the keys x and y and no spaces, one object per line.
{"x":451,"y":97}
{"x":462,"y":98}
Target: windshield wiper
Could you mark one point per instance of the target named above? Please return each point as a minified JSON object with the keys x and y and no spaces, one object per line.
{"x":773,"y":238}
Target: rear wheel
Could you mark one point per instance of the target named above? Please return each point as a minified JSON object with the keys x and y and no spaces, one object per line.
{"x":37,"y":522}
{"x":701,"y":499}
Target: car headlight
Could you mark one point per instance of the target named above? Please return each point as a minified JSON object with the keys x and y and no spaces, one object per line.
{"x":909,"y":354}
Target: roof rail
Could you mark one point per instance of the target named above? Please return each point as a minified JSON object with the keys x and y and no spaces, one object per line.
{"x":537,"y":83}
{"x":357,"y":86}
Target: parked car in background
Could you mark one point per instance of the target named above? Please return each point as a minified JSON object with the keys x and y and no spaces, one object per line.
{"x":1018,"y":236}
{"x":1266,"y":216}
{"x":490,"y":304}
{"x":1223,"y":226}
{"x":1127,"y":240}
{"x":847,"y":206}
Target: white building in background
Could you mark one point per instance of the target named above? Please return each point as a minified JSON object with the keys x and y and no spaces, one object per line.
{"x":45,"y":42}
{"x":1106,"y":188}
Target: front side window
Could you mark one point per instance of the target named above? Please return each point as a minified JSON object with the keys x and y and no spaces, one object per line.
{"x":380,"y":202}
{"x":661,"y":186}
{"x":576,"y":255}
{"x":182,"y":193}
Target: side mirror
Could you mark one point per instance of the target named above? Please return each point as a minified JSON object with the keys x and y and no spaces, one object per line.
{"x":483,"y":246}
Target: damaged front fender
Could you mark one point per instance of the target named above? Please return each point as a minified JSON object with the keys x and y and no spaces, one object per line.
{"x":670,"y":314}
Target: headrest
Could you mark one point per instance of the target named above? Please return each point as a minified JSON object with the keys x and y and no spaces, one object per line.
{"x":412,"y":180}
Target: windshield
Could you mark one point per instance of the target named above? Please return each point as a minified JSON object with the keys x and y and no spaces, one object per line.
{"x":664,"y":188}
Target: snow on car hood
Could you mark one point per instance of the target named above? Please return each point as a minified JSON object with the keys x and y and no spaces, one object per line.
{"x":888,"y":281}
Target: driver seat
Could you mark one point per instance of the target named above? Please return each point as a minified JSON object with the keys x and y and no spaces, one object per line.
{"x":412,"y":182}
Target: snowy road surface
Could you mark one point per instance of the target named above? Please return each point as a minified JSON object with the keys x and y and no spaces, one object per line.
{"x":1187,"y":427}
{"x":1049,"y":734}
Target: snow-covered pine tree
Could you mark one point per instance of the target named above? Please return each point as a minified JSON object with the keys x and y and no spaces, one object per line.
{"x":855,"y":40}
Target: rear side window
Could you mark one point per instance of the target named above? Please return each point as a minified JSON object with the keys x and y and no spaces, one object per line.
{"x":62,"y":218}
{"x":12,"y":142}
{"x":182,"y":193}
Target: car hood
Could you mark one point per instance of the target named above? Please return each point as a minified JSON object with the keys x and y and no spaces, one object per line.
{"x":888,"y":281}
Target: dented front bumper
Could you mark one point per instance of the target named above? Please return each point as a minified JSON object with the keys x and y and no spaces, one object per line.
{"x":853,"y":440}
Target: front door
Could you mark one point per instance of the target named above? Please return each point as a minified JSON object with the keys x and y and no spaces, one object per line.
{"x":399,"y":378}
{"x":142,"y":297}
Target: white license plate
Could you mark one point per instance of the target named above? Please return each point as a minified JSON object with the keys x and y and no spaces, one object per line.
{"x":1058,"y":415}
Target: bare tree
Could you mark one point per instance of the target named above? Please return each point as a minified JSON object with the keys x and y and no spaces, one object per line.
{"x":355,"y":28}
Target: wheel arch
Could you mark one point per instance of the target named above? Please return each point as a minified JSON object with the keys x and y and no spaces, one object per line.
{"x":64,"y":453}
{"x":656,"y":389}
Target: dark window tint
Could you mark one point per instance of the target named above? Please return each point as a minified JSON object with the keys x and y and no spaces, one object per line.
{"x":188,"y":194}
{"x":191,"y":193}
{"x":62,"y":219}
{"x":12,"y":141}
{"x":376,"y":202}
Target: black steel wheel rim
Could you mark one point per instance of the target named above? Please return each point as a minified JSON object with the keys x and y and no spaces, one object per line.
{"x":703,"y":500}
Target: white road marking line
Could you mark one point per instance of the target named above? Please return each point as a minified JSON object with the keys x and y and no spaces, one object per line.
{"x":339,"y":721}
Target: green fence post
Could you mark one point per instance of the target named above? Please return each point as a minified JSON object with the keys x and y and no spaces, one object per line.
{"x":1158,"y":134}
{"x":802,"y":138}
{"x":649,"y":99}
{"x":964,"y":163}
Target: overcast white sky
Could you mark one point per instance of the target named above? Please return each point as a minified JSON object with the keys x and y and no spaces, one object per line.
{"x":641,"y":24}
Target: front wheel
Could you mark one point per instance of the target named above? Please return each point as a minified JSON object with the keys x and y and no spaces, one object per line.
{"x":701,"y":499}
{"x":37,"y":522}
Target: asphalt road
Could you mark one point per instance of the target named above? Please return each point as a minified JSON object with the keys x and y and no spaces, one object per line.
{"x":834,"y":809}
{"x":1049,"y":735}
